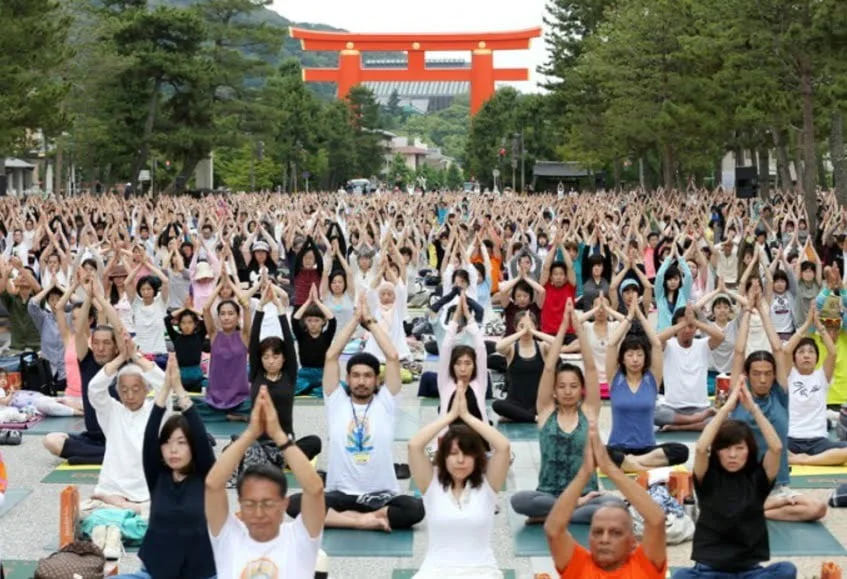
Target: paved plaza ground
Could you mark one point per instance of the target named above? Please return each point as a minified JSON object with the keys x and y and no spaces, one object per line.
{"x":30,"y":529}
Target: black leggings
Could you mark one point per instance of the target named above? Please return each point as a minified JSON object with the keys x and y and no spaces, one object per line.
{"x":404,"y":511}
{"x":310,"y":445}
{"x":675,"y":452}
{"x":513,"y":411}
{"x":84,"y":448}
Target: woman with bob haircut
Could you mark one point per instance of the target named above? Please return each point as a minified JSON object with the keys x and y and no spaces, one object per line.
{"x":459,"y":491}
{"x":732,"y":486}
{"x":176,"y":461}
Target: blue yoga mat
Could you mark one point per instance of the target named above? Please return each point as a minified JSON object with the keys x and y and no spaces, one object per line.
{"x":519,"y":431}
{"x":356,"y":543}
{"x":803,"y":539}
{"x":13,"y":498}
{"x":69,"y":424}
{"x":530,"y":540}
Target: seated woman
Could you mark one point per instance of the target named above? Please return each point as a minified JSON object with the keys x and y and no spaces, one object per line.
{"x":808,"y":435}
{"x":463,"y":363}
{"x":732,"y":486}
{"x":633,"y":391}
{"x":228,"y":386}
{"x":459,"y":492}
{"x":121,"y":483}
{"x":149,"y":299}
{"x":525,"y":363}
{"x":762,"y":369}
{"x":30,"y":399}
{"x":567,"y":399}
{"x":176,"y":462}
{"x":387,"y":301}
{"x":273,"y":363}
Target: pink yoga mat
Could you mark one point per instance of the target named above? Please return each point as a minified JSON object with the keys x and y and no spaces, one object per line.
{"x":22,"y":425}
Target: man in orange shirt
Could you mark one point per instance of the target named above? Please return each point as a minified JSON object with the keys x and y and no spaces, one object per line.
{"x":614,"y":551}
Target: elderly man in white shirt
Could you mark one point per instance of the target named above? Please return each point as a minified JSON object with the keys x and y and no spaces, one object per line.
{"x":122,"y":483}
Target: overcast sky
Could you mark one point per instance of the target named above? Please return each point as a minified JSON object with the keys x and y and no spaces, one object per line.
{"x":431,"y":16}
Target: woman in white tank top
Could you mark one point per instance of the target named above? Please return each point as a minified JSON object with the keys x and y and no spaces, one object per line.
{"x":459,"y":493}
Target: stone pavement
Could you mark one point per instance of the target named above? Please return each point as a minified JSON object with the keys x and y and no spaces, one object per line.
{"x":30,"y":530}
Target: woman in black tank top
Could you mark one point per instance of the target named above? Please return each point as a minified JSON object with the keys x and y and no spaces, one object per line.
{"x":524,"y":353}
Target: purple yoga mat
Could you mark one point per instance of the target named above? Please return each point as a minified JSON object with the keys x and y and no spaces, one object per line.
{"x":21,"y":425}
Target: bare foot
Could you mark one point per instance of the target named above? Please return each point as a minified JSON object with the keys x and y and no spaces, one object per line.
{"x":631,"y":464}
{"x":797,"y":458}
{"x":381,"y":516}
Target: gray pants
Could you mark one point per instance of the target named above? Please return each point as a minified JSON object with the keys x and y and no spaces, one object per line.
{"x":537,"y":504}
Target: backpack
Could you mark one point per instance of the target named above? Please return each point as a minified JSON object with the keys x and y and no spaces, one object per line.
{"x":258,"y":453}
{"x":82,"y":558}
{"x":36,"y":374}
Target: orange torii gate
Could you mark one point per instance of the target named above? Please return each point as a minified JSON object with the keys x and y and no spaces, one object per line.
{"x":482,"y":74}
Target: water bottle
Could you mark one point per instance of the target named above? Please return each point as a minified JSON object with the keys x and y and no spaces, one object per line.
{"x":689,"y":505}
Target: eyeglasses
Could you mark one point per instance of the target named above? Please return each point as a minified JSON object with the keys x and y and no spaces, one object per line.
{"x":256,"y":506}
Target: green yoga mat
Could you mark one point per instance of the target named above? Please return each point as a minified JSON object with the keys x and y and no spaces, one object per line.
{"x":224,"y":429}
{"x":69,"y":424}
{"x":13,"y":497}
{"x":356,"y":543}
{"x":519,"y":431}
{"x":682,"y":436}
{"x":803,"y":539}
{"x":72,"y":477}
{"x":818,"y":481}
{"x":409,"y":573}
{"x":530,"y":540}
{"x":15,"y":569}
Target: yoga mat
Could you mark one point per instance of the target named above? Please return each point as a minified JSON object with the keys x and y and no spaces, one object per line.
{"x":209,"y":414}
{"x":802,"y":539}
{"x":519,"y":431}
{"x":72,"y":474}
{"x":682,"y":436}
{"x":224,"y":429}
{"x":68,"y":424}
{"x":607,"y":484}
{"x":22,"y":425}
{"x":16,"y":569}
{"x":13,"y":497}
{"x":356,"y":543}
{"x":433,"y":402}
{"x":407,"y":425}
{"x":530,"y":540}
{"x":409,"y":573}
{"x":817,"y":477}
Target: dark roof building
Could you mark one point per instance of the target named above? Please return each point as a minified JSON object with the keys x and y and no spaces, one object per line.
{"x":546,"y":176}
{"x":422,"y":97}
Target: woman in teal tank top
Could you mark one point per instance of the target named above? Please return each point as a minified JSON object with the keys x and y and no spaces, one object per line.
{"x":567,"y":398}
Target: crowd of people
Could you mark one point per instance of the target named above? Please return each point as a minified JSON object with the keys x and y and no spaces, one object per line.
{"x":158,"y":314}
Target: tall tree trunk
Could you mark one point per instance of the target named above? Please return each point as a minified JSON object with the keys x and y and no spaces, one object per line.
{"x":797,"y":160}
{"x":810,"y":153}
{"x":184,"y":175}
{"x":58,"y":168}
{"x":782,"y":163}
{"x":667,"y":167}
{"x":764,"y":173}
{"x":836,"y":152}
{"x":616,"y":168}
{"x":823,"y":181}
{"x":144,"y":150}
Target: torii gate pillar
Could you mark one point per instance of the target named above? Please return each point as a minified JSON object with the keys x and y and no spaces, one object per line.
{"x":482,"y":75}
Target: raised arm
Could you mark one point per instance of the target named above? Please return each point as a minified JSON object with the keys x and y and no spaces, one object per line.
{"x":420,"y":463}
{"x":545,"y":403}
{"x":332,"y":369}
{"x":703,"y":448}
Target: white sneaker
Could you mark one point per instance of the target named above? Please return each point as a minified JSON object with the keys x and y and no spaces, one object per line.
{"x":322,"y":565}
{"x":113,"y":548}
{"x":98,"y":536}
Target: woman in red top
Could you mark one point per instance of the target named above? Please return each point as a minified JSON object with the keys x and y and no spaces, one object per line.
{"x":308,"y":270}
{"x":558,"y":279}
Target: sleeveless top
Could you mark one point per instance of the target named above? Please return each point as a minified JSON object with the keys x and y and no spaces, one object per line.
{"x":633,"y":412}
{"x":524,"y":376}
{"x":72,"y":375}
{"x":228,"y":384}
{"x":561,"y":456}
{"x":341,"y":309}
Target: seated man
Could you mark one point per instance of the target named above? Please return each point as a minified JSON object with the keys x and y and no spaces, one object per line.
{"x":686,"y":362}
{"x":121,"y":482}
{"x":88,"y":446}
{"x":258,"y":543}
{"x":614,"y":551}
{"x":362,"y":489}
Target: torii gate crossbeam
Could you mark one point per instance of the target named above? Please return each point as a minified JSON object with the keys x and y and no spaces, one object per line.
{"x":482,"y":75}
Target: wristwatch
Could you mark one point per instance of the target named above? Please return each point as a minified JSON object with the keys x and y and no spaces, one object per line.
{"x":287,"y":444}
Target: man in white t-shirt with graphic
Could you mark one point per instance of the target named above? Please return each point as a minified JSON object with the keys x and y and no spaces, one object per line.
{"x":686,"y":403}
{"x":257,"y":543}
{"x":362,"y":489}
